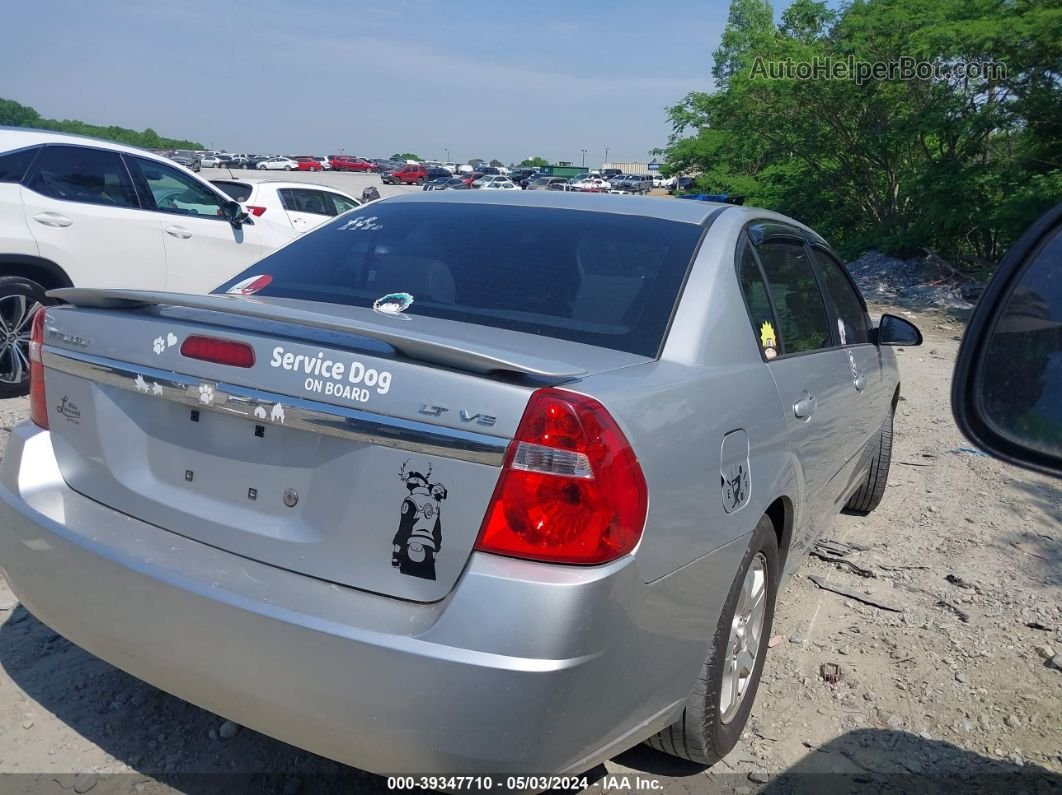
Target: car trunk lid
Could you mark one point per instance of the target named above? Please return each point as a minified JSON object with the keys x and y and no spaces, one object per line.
{"x":338,"y":454}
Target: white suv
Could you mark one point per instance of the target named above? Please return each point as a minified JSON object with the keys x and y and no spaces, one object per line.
{"x":287,"y":208}
{"x":80,"y":212}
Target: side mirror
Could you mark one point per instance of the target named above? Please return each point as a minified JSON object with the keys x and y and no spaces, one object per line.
{"x":236,"y":215}
{"x":1007,"y":391}
{"x":896,"y":331}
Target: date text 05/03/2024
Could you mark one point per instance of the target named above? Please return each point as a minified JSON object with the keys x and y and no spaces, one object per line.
{"x":609,"y":783}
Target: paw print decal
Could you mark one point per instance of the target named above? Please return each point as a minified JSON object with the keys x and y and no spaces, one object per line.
{"x":260,"y":412}
{"x":277,"y":414}
{"x":140,"y":384}
{"x":162,"y":343}
{"x":206,"y":394}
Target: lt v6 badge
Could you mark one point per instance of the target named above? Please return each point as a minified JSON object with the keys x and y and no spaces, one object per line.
{"x":466,"y":416}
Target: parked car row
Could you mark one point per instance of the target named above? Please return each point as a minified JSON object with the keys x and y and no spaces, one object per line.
{"x":77,"y":212}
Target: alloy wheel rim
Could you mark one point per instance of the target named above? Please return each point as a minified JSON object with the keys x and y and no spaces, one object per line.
{"x":746,"y":637}
{"x":16,"y":314}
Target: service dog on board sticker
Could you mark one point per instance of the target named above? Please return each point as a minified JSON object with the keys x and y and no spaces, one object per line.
{"x":419,"y":536}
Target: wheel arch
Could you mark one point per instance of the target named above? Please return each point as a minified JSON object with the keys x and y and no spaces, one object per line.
{"x":780,"y":512}
{"x":46,"y":273}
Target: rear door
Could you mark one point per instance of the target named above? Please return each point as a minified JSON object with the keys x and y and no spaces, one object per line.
{"x":81,"y":206}
{"x":813,"y":379}
{"x":306,"y":207}
{"x":202,"y":248}
{"x":869,"y":401}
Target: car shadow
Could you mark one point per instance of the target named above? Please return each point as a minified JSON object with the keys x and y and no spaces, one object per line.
{"x":178,"y":744}
{"x":862,"y":760}
{"x":153,"y":733}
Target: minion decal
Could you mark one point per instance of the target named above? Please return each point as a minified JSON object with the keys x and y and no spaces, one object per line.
{"x":419,"y":536}
{"x":768,"y":340}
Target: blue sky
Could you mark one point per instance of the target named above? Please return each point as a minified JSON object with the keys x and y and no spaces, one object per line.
{"x":483,"y":79}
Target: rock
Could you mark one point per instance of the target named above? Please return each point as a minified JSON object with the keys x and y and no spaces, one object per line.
{"x":1016,"y":759}
{"x":960,"y":677}
{"x":895,"y":721}
{"x":1012,"y":721}
{"x":870,"y":695}
{"x":1046,"y":652}
{"x":85,"y":781}
{"x":1055,"y":662}
{"x":795,"y":638}
{"x":759,"y":776}
{"x":228,"y":730}
{"x":925,"y":735}
{"x":843,"y":649}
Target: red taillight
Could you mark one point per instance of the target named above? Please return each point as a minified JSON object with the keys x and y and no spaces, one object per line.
{"x":571,"y":489}
{"x":38,"y":400}
{"x":255,"y":210}
{"x":211,"y":349}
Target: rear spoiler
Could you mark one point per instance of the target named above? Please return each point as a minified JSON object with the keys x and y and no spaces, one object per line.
{"x":414,"y":345}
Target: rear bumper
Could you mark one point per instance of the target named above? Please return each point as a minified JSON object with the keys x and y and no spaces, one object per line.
{"x":523,"y":668}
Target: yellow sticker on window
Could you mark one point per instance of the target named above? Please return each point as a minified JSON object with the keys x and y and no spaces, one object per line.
{"x":768,"y":340}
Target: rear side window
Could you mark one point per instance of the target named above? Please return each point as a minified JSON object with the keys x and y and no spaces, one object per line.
{"x":82,"y":174}
{"x":13,"y":165}
{"x":804,"y":325}
{"x":598,"y":278}
{"x":754,"y":288}
{"x":303,"y":200}
{"x":852,"y":324}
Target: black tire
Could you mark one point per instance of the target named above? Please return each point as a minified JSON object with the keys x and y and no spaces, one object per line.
{"x":700,"y":734}
{"x":19,"y":299}
{"x":869,"y":495}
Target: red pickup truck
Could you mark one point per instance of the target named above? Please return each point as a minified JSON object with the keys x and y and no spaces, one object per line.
{"x":409,"y":174}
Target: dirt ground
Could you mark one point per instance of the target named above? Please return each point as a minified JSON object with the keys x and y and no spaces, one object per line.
{"x":955,"y":685}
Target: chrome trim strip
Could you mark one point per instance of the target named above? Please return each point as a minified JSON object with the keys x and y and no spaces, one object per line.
{"x":306,"y":415}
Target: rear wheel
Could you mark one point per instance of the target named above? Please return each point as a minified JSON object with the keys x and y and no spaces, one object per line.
{"x":19,"y":301}
{"x":718,"y":708}
{"x":287,"y":168}
{"x":869,"y":495}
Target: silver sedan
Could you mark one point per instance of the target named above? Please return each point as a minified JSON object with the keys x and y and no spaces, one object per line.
{"x":460,"y":482}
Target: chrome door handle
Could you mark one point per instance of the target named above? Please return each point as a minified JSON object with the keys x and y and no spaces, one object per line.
{"x":178,"y":231}
{"x":52,"y":219}
{"x":859,"y":383}
{"x":805,"y":407}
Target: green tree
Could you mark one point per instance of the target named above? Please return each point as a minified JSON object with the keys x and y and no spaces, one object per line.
{"x":496,"y":163}
{"x":14,"y":114}
{"x":534,"y":162}
{"x":406,"y":156}
{"x":956,"y":164}
{"x":749,"y":24}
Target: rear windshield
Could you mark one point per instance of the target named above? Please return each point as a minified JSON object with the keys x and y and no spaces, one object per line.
{"x":598,"y":278}
{"x":237,"y":191}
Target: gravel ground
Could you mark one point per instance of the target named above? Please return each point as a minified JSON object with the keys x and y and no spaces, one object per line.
{"x":958,"y":682}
